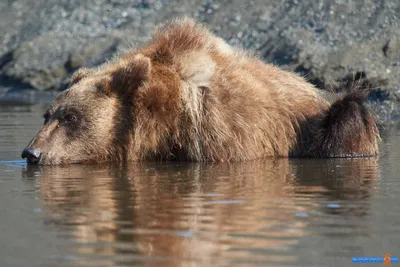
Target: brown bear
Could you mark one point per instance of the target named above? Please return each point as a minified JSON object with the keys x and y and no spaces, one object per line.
{"x":188,"y":95}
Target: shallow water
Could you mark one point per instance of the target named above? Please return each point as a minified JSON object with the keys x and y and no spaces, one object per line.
{"x":261,"y":213}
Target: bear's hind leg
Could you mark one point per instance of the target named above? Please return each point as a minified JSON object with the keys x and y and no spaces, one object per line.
{"x":347,"y":129}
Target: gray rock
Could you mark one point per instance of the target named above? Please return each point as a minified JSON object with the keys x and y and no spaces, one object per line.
{"x":330,"y":42}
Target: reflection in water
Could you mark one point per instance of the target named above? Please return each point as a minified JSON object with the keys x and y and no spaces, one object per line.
{"x":187,"y":214}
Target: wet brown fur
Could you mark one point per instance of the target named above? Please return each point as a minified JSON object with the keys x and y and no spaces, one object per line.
{"x":188,"y":95}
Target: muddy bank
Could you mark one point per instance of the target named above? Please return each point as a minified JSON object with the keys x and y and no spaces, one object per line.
{"x":331,"y":42}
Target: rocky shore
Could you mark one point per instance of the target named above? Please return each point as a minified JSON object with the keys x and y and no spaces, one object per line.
{"x":331,"y":42}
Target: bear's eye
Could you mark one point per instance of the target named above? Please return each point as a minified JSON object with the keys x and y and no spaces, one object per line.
{"x":71,"y":118}
{"x":46,"y":118}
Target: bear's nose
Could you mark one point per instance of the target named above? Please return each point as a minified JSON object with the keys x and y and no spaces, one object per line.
{"x":31,"y":154}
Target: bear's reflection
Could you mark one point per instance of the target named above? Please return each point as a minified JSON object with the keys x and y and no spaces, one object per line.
{"x":188,"y":214}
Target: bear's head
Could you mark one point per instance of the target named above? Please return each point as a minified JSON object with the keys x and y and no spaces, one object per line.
{"x":123,"y":111}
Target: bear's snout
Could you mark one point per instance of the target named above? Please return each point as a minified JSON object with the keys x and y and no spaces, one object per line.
{"x":31,"y":154}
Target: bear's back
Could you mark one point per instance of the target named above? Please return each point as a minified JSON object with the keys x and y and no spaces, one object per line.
{"x":236,"y":107}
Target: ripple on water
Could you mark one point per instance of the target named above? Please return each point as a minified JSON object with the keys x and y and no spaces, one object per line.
{"x":14,"y":163}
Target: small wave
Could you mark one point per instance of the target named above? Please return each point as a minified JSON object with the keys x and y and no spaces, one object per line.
{"x":14,"y":163}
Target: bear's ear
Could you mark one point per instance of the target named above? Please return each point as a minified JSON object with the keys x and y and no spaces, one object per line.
{"x":80,"y":74}
{"x":130,"y":74}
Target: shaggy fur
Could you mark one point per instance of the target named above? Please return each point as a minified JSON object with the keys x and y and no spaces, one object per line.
{"x":188,"y":95}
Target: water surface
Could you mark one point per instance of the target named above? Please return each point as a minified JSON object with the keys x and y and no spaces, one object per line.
{"x":260,"y":213}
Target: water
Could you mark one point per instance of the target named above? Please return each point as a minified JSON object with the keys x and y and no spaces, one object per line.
{"x":260,"y":213}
